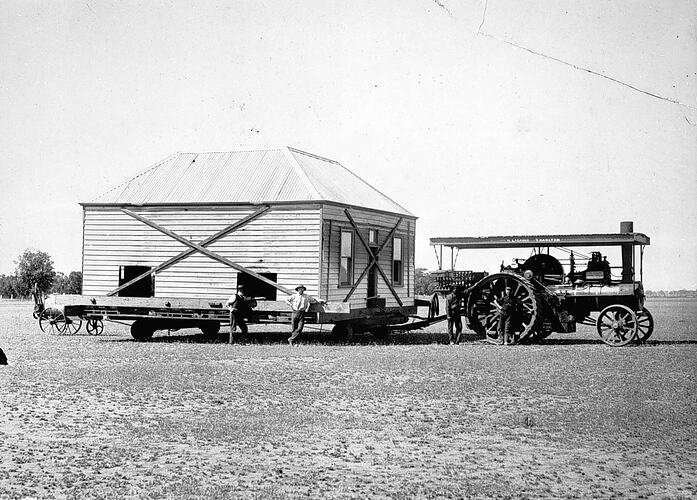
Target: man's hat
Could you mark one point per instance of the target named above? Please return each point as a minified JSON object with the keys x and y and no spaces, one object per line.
{"x":240,"y":287}
{"x":297,"y":288}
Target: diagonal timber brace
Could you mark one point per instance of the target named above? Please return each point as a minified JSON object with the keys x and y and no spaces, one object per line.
{"x":205,"y":251}
{"x":208,"y":241}
{"x":373,"y":258}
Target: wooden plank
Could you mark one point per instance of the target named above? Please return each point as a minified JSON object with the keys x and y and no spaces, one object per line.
{"x":183,"y":303}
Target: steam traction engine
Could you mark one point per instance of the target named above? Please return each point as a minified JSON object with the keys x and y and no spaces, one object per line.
{"x":551,"y":298}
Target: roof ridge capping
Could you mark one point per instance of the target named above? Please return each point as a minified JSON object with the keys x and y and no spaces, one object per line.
{"x":357,"y":177}
{"x":296,"y":150}
{"x":300,"y":172}
{"x":366,"y":183}
{"x":229,"y":151}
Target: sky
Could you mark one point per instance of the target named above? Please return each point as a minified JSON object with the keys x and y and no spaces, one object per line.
{"x":481,"y":118}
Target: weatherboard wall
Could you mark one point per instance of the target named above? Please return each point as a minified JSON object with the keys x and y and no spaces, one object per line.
{"x":334,"y":220}
{"x":286,"y":241}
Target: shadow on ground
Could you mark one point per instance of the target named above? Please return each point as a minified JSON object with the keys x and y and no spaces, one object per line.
{"x":395,"y":338}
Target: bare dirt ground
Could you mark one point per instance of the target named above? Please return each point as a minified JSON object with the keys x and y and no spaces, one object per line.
{"x":185,"y":417}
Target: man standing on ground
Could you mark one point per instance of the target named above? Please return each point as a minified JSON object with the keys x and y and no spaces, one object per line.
{"x":452,"y":312}
{"x":300,"y":304}
{"x":240,"y":308}
{"x":507,"y":307}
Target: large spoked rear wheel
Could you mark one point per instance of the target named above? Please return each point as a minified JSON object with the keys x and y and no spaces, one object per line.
{"x":644,"y":325}
{"x":484,"y":314}
{"x":52,"y":321}
{"x":617,"y":325}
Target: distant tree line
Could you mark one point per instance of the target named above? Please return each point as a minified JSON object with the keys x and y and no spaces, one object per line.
{"x":672,"y":293}
{"x":424,"y":281}
{"x":36,"y":267}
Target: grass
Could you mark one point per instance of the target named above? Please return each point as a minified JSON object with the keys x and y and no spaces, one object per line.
{"x":95,"y":417}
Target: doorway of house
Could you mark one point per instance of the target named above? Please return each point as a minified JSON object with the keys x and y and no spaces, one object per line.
{"x":372,"y":299}
{"x":254,"y":287}
{"x":144,"y":287}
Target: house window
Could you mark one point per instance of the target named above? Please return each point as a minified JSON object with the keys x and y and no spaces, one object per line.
{"x":346,"y":263}
{"x":397,"y":266}
{"x":372,"y":237}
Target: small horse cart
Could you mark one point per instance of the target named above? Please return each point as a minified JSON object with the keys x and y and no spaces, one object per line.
{"x":555,"y":297}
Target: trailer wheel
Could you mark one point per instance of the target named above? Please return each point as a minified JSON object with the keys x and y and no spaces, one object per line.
{"x":644,"y":325}
{"x":483,"y":313}
{"x":94,"y":326}
{"x":52,"y":321}
{"x":142,"y":329}
{"x":210,"y":328}
{"x":72,"y":325}
{"x":343,"y":331}
{"x":617,"y":325}
{"x":380,"y":332}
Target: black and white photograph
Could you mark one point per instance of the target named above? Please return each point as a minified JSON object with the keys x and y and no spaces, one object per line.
{"x":424,"y":249}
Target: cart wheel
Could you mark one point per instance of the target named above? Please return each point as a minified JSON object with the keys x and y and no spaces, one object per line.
{"x":644,"y":325}
{"x":94,"y":326}
{"x":52,"y":321}
{"x":142,"y":329}
{"x":72,"y":326}
{"x":617,"y":325}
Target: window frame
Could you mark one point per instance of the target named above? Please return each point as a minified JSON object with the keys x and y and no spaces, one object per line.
{"x":375,"y":241}
{"x":351,"y":266}
{"x":400,"y":281}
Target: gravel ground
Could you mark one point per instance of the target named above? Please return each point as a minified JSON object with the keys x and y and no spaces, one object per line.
{"x":186,"y":417}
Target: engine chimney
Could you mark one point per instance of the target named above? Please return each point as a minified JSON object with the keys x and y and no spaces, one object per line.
{"x":627,"y":227}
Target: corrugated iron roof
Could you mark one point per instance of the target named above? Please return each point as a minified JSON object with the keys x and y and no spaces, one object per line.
{"x":262,"y":176}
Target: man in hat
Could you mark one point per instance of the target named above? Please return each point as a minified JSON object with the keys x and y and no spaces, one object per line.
{"x":300,"y":305}
{"x":452,"y":312}
{"x":240,"y":308}
{"x":507,"y":307}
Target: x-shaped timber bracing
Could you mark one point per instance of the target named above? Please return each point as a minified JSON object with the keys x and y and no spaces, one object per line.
{"x":200,"y":248}
{"x":373,"y":258}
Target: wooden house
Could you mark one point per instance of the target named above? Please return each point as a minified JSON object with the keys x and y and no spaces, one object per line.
{"x":196,"y":225}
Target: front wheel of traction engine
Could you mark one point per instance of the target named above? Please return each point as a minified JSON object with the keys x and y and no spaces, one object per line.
{"x":142,"y":329}
{"x":617,"y":325}
{"x":483,"y":313}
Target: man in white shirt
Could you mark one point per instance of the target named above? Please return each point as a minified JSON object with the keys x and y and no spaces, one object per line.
{"x":300,"y":304}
